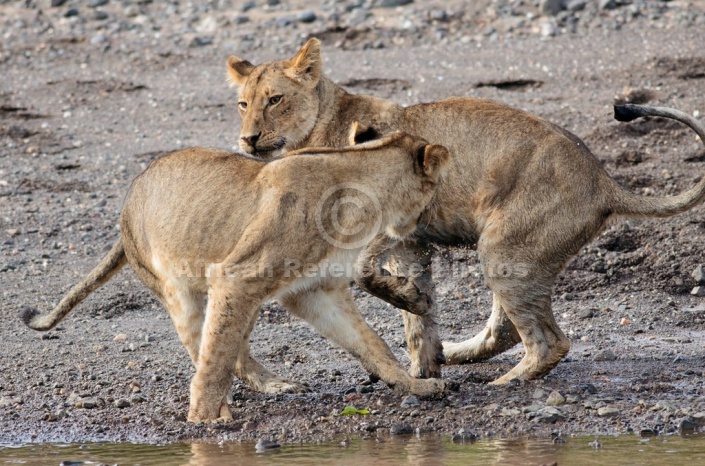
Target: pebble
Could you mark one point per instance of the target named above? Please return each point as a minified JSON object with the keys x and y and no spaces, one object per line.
{"x":401,"y":429}
{"x":463,"y":436}
{"x":306,"y":16}
{"x":120,"y":337}
{"x":201,"y":41}
{"x":393,"y":3}
{"x":555,"y":399}
{"x":698,"y":291}
{"x":699,"y":275}
{"x":551,"y":7}
{"x":605,"y":355}
{"x":587,"y":314}
{"x":538,"y":394}
{"x":87,"y":403}
{"x":410,"y":401}
{"x":264,"y":445}
{"x":549,"y":415}
{"x":607,"y":411}
{"x":57,"y":3}
{"x":122,"y":403}
{"x":99,"y":38}
{"x":97,"y":3}
{"x":607,"y":5}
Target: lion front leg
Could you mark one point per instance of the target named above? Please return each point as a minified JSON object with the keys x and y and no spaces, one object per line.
{"x":401,"y":275}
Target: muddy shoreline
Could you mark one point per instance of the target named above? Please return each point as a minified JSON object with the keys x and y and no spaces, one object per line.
{"x":87,"y":103}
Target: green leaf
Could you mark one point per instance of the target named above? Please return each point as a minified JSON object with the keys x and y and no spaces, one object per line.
{"x":350,"y":410}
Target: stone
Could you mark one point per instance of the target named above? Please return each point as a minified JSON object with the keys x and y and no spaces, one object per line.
{"x":100,"y":15}
{"x":538,"y":394}
{"x":698,"y":291}
{"x":575,"y":5}
{"x":555,"y":399}
{"x":200,"y":41}
{"x":393,"y":3}
{"x":549,"y":415}
{"x":401,"y":429}
{"x":120,"y":337}
{"x":241,"y":19}
{"x":57,"y":3}
{"x":410,"y":402}
{"x":306,"y":16}
{"x":96,"y":3}
{"x":439,"y":15}
{"x":548,"y":29}
{"x":699,"y":275}
{"x":122,"y":403}
{"x":99,"y":38}
{"x":247,"y":6}
{"x":607,"y":411}
{"x":71,"y":12}
{"x":605,"y":355}
{"x":551,"y":7}
{"x":607,"y":4}
{"x":264,"y":445}
{"x":12,"y":232}
{"x":586,"y":314}
{"x":687,"y":425}
{"x":463,"y":436}
{"x":87,"y":403}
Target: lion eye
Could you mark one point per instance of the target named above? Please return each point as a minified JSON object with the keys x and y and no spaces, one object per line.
{"x":242,"y":106}
{"x":275,"y":99}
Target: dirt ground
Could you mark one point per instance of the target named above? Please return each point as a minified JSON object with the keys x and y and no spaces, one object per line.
{"x":92,"y":92}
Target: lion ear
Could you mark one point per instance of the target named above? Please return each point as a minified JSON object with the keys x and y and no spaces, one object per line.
{"x":359,"y":133}
{"x":433,"y":159}
{"x":239,"y":70}
{"x":306,"y":65}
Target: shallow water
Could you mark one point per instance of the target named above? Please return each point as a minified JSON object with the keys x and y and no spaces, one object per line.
{"x":429,"y":450}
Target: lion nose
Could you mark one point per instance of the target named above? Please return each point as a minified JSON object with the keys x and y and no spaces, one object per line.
{"x":251,"y":140}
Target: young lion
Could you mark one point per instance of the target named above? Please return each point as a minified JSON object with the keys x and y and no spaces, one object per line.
{"x":526,"y":192}
{"x":202,"y":222}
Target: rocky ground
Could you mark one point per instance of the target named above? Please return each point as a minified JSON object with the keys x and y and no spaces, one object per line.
{"x":92,"y":91}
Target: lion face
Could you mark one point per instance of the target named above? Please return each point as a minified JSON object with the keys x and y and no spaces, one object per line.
{"x":277,"y":101}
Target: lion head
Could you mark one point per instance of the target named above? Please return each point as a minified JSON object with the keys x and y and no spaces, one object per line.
{"x":277,"y":101}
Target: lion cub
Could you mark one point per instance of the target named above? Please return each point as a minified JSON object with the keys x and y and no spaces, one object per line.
{"x":202,"y":223}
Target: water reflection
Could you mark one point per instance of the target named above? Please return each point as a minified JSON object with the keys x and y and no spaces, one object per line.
{"x":426,"y":450}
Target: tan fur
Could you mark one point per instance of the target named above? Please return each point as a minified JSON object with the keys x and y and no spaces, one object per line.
{"x":206,"y":223}
{"x":527,"y":193}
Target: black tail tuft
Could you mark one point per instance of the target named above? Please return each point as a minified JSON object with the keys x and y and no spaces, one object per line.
{"x":627,"y":112}
{"x":26,"y":314}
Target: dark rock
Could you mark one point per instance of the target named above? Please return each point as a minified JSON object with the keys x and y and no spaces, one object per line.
{"x":551,"y":7}
{"x":201,"y":41}
{"x":392,"y":3}
{"x":687,"y":426}
{"x":241,"y":19}
{"x":699,"y":275}
{"x":605,"y":355}
{"x":100,"y":15}
{"x":71,"y":12}
{"x":307,"y":16}
{"x":96,"y":3}
{"x":575,"y":5}
{"x":264,"y":445}
{"x":607,"y":4}
{"x":401,"y":429}
{"x":57,"y":3}
{"x":247,"y":6}
{"x":587,"y":314}
{"x":410,"y":402}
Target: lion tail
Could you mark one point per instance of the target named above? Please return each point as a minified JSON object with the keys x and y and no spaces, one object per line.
{"x":111,"y":263}
{"x":630,"y":204}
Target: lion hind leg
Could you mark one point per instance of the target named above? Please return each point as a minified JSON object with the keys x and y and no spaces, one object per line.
{"x":529,"y":308}
{"x":498,"y":336}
